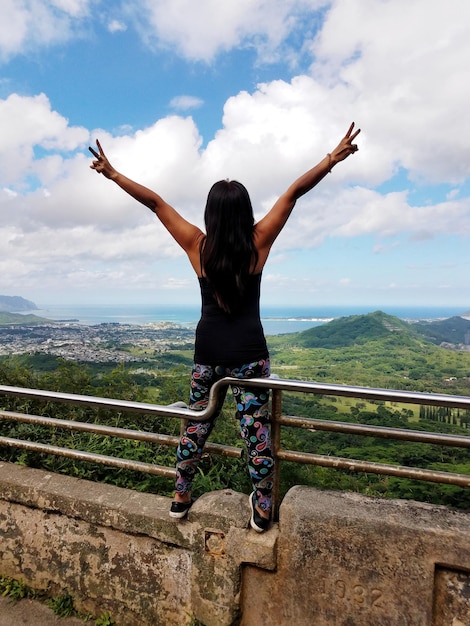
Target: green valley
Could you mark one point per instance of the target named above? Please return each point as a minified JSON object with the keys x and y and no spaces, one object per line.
{"x":375,"y":350}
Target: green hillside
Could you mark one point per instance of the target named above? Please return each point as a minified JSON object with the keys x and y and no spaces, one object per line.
{"x":18,"y":318}
{"x":353,"y":330}
{"x":454,"y":330}
{"x":374,"y":350}
{"x":360,"y":329}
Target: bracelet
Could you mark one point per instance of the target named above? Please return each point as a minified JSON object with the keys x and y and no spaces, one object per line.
{"x":329,"y":163}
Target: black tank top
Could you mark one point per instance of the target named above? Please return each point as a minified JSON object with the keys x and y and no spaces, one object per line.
{"x":230,"y":339}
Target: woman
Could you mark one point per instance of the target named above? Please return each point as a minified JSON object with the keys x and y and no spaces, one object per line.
{"x":228,"y":260}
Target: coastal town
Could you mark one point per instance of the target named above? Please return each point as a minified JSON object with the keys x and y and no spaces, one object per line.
{"x":100,"y":343}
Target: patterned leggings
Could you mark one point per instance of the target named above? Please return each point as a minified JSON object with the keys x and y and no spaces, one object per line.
{"x":253,"y":413}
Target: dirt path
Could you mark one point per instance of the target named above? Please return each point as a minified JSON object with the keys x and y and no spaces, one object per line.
{"x":32,"y":613}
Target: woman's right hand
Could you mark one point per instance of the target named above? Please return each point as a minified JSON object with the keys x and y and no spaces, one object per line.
{"x":101,"y":163}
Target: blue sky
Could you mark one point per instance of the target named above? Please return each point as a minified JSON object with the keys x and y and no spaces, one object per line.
{"x":184,"y":93}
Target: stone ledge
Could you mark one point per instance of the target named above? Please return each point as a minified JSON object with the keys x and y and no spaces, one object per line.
{"x":345,"y":559}
{"x":334,"y":558}
{"x":351,"y":508}
{"x":96,"y":503}
{"x":116,"y":549}
{"x":119,"y":508}
{"x":248,"y":547}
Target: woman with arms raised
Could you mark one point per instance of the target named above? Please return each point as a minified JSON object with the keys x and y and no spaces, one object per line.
{"x":228,"y":260}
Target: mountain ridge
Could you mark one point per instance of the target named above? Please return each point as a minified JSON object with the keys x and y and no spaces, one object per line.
{"x":14,"y":304}
{"x":6,"y":319}
{"x":352,"y":330}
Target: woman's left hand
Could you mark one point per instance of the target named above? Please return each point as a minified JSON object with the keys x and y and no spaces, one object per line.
{"x":345,"y":146}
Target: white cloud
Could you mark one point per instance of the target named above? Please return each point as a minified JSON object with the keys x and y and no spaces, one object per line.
{"x":29,"y":123}
{"x":73,"y":217}
{"x":200,"y":30}
{"x":27,"y":24}
{"x":194,"y":30}
{"x":74,"y":8}
{"x":115,"y":26}
{"x":406,"y":90}
{"x":71,"y":222}
{"x":404,"y":64}
{"x":185,"y":103}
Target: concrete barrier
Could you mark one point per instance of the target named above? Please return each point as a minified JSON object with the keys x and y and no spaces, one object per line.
{"x":334,"y":559}
{"x":350,"y":560}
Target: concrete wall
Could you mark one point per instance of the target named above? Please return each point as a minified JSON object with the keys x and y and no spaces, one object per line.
{"x":335,"y":558}
{"x":349,"y":560}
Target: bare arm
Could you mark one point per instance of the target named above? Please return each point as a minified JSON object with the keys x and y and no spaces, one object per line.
{"x":269,"y":227}
{"x":187,"y":235}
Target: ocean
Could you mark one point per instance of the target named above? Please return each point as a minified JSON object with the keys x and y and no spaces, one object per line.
{"x":275,"y":320}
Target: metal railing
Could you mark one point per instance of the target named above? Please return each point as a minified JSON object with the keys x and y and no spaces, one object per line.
{"x":278,"y":420}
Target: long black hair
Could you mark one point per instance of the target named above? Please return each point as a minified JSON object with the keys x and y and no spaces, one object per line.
{"x":228,"y":251}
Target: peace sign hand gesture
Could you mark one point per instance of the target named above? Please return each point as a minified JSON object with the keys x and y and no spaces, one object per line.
{"x":101,"y":163}
{"x":345,"y":146}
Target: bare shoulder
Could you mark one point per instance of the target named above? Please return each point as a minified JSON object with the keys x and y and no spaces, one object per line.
{"x":194,"y":251}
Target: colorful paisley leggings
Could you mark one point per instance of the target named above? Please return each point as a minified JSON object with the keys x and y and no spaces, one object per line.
{"x":253,"y":413}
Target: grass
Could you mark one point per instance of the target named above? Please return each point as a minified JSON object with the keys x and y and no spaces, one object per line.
{"x":62,"y":605}
{"x":344,"y":405}
{"x":15,"y":589}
